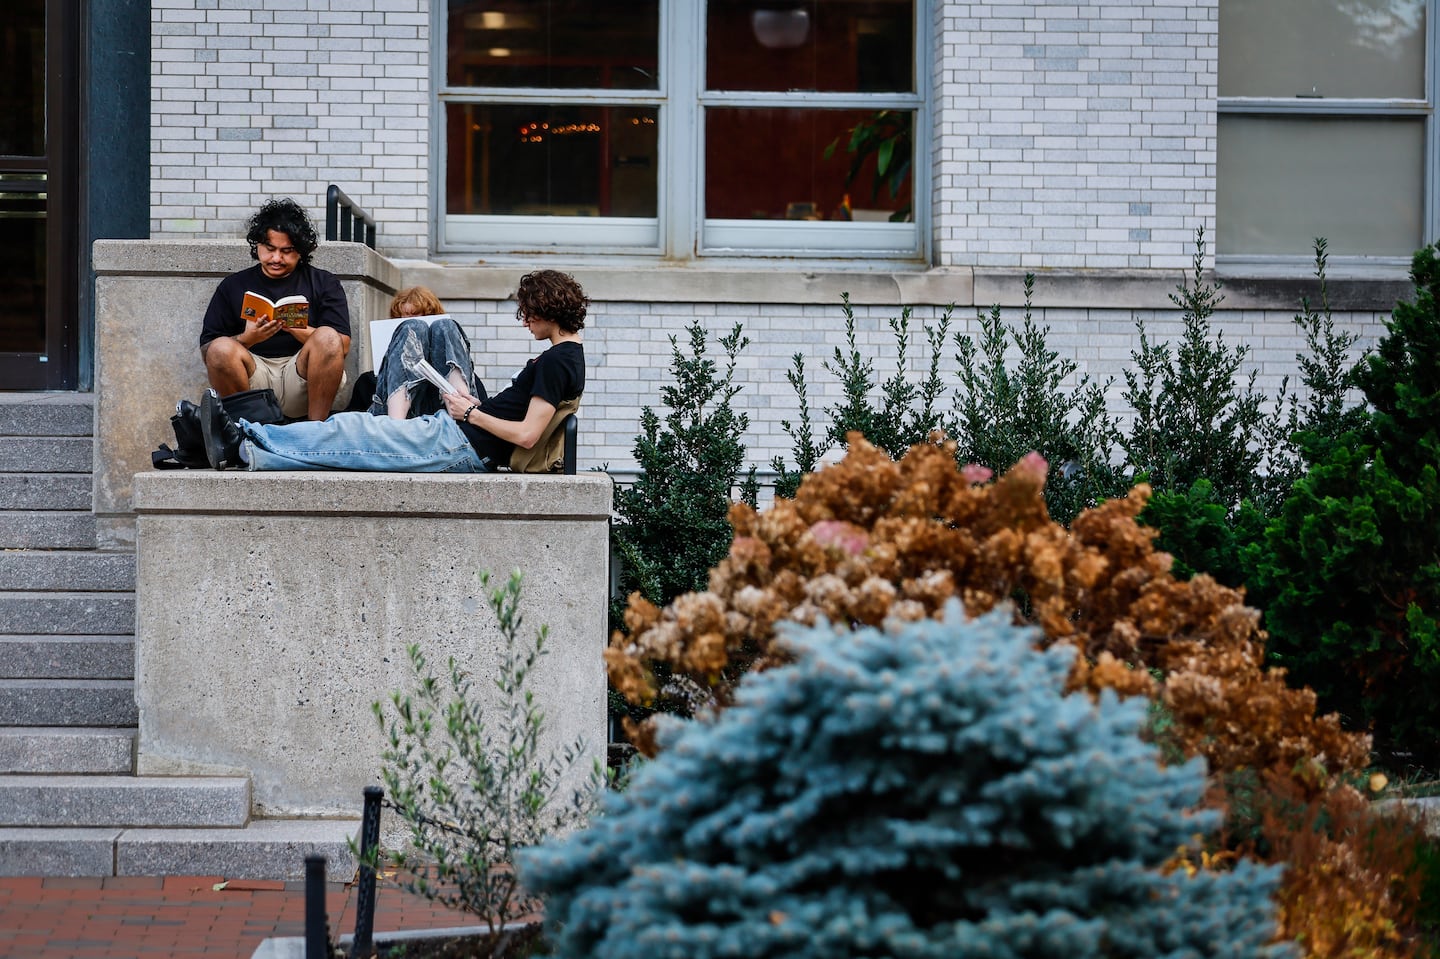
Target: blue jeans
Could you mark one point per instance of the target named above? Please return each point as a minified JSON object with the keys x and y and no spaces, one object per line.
{"x":359,"y":441}
{"x":442,"y":343}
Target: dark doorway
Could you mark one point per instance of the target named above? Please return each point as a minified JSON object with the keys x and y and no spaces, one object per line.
{"x":39,"y":195}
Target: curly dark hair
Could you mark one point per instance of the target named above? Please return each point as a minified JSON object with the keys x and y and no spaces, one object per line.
{"x":554,"y":296}
{"x":283,"y":216}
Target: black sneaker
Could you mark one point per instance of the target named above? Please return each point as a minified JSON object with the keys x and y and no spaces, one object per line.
{"x":222,"y":434}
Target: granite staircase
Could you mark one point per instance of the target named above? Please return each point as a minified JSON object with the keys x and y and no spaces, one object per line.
{"x":71,"y":803}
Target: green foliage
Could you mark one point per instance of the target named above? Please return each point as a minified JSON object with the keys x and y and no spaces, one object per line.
{"x":802,"y":436}
{"x":1001,"y":414}
{"x":673,"y":526}
{"x":888,"y":137}
{"x":474,"y":789}
{"x":1204,"y":534}
{"x":926,"y":791}
{"x":903,"y":413}
{"x":1350,"y":569}
{"x":1191,"y":420}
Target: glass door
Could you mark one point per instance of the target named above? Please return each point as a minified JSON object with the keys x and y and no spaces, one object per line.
{"x":39,"y":208}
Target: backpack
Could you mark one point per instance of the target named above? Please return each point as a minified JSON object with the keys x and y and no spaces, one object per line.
{"x":257,"y":406}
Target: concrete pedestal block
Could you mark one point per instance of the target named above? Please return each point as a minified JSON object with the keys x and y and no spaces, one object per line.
{"x":272,"y":610}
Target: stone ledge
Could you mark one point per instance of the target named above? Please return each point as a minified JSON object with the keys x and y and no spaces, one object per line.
{"x":511,"y":496}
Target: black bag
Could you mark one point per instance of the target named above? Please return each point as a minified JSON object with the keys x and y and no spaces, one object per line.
{"x":257,"y":406}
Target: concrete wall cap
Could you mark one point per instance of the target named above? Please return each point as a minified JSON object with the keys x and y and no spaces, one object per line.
{"x":501,"y":495}
{"x":221,"y":257}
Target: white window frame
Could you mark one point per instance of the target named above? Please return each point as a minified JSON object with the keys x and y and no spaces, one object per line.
{"x":680,"y":231}
{"x":1356,"y":107}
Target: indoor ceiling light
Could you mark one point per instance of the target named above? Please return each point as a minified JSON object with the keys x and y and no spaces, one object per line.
{"x":780,"y":29}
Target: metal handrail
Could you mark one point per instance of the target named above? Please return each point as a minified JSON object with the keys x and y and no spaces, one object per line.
{"x":344,"y":218}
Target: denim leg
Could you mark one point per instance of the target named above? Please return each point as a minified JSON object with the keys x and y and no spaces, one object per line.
{"x":407,"y":347}
{"x":359,"y":441}
{"x":447,"y":348}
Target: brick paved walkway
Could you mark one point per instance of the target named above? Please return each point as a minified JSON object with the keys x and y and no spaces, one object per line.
{"x":182,"y":916}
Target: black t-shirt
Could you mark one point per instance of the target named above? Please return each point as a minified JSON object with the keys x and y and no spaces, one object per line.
{"x":555,"y":376}
{"x":321,"y":288}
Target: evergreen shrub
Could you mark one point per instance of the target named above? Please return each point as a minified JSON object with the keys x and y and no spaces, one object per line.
{"x":924,"y":791}
{"x":1003,"y":413}
{"x":1351,"y":567}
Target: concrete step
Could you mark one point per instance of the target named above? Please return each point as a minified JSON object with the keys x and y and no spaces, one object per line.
{"x":67,"y":614}
{"x":60,"y":570}
{"x":67,"y":702}
{"x":265,"y":849}
{"x":58,"y":852}
{"x":36,"y":750}
{"x":46,"y":529}
{"x":45,"y":490}
{"x":67,"y":657}
{"x":46,"y":454}
{"x":124,"y":801}
{"x":47,"y":414}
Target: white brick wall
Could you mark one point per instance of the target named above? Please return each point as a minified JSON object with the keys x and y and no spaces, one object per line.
{"x":258,"y":98}
{"x":1073,"y":134}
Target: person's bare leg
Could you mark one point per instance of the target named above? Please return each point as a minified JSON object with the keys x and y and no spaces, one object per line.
{"x":397,"y":404}
{"x":228,"y":365}
{"x":457,"y":380}
{"x":321,"y":364}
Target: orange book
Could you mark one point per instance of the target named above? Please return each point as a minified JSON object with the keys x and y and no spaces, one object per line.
{"x":293,"y":312}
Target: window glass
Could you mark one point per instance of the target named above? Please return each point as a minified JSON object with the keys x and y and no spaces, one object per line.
{"x":22,"y":79}
{"x":552,"y":159}
{"x":773,"y":164}
{"x":846,"y":46}
{"x":1322,"y":48}
{"x":564,"y":44}
{"x":22,"y":282}
{"x":1283,"y":181}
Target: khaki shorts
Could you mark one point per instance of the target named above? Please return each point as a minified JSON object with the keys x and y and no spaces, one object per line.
{"x":278,"y":373}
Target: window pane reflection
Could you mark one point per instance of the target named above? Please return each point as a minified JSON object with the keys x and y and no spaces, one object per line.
{"x":1285,"y":181}
{"x":1327,"y":48}
{"x":845,"y":46}
{"x":564,"y":44}
{"x":772,"y":164}
{"x":552,"y":160}
{"x":22,"y":282}
{"x":22,"y":78}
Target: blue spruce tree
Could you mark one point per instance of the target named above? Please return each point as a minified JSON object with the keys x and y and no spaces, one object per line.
{"x":923,"y":792}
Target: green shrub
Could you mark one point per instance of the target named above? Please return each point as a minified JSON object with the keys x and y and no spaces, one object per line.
{"x":1350,"y":569}
{"x":926,"y":791}
{"x":672,"y":526}
{"x":1192,"y":421}
{"x":474,"y":789}
{"x":1001,"y":414}
{"x":903,"y":413}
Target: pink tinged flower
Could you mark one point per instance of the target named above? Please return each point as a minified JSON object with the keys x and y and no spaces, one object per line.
{"x":840,"y":535}
{"x":975,"y":474}
{"x":1034,"y":464}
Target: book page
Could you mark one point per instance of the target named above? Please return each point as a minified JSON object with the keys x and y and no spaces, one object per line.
{"x":383,"y":331}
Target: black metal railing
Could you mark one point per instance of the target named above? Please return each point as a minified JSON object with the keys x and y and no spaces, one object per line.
{"x":344,"y":219}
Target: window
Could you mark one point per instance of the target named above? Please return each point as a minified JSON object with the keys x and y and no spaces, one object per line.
{"x":672,"y":127}
{"x":1326,"y":128}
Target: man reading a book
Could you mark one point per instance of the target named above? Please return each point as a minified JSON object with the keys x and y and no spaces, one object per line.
{"x":282,"y":324}
{"x":468,"y":434}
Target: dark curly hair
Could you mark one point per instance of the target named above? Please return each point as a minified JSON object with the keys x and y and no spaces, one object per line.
{"x":283,"y":216}
{"x":552,"y":295}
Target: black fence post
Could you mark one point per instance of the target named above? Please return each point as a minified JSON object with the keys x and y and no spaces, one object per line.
{"x":317,"y":926}
{"x":365,"y":889}
{"x":345,"y":220}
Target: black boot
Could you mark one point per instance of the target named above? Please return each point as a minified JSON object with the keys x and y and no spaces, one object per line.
{"x":222,"y":434}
